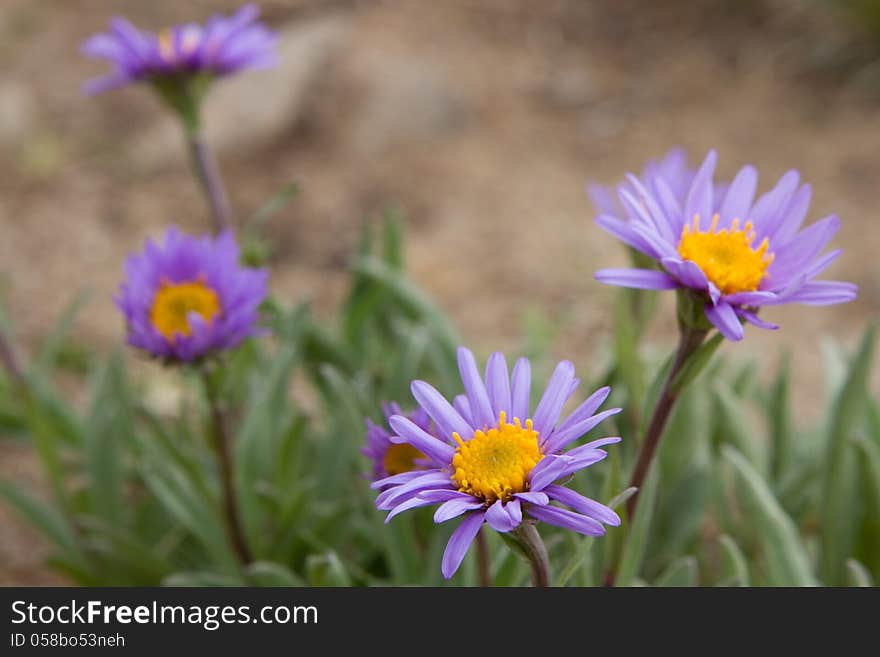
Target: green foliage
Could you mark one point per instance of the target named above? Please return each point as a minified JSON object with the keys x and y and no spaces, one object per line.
{"x":743,"y":492}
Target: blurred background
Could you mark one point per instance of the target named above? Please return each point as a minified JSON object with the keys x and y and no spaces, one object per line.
{"x":479,"y":121}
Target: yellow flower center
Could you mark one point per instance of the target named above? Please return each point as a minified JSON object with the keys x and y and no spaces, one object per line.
{"x":166,"y":45}
{"x":401,"y":458}
{"x":495,"y":464}
{"x":726,"y":256}
{"x":175,"y":301}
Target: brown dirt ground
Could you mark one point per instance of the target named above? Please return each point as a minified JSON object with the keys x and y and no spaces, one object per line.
{"x":482,"y":121}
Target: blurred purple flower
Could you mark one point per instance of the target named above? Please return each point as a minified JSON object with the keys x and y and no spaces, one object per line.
{"x":391,"y":458}
{"x":223,"y":45}
{"x":491,"y":470}
{"x":736,"y":253}
{"x":188,"y":297}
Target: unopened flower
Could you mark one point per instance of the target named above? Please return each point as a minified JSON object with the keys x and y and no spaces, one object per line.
{"x":390,"y":458}
{"x":733,"y":252}
{"x":223,"y":45}
{"x":188,"y":297}
{"x":496,"y":460}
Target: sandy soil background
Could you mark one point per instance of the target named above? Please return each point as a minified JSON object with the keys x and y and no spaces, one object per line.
{"x":481,"y":121}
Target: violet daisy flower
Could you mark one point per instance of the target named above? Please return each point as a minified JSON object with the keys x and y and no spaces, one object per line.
{"x":222,"y":46}
{"x":390,"y":458}
{"x":188,"y":297}
{"x":496,"y":461}
{"x":735,"y":253}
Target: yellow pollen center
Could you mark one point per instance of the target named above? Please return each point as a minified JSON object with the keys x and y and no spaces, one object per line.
{"x":175,"y":301}
{"x":401,"y":458}
{"x":166,"y":45}
{"x":495,"y":464}
{"x":726,"y":256}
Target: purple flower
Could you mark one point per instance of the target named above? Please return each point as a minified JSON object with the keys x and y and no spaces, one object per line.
{"x":219,"y":47}
{"x":735,"y":252}
{"x":188,"y":297}
{"x":493,"y":460}
{"x":390,"y":458}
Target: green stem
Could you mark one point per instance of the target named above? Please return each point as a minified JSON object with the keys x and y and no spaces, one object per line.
{"x":484,"y":562}
{"x":529,"y":541}
{"x":210,"y":180}
{"x":689,"y":341}
{"x":10,"y":363}
{"x":220,"y":445}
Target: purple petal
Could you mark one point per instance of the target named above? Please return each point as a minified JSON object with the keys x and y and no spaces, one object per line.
{"x":411,"y":503}
{"x":463,"y":406}
{"x":688,"y":272}
{"x":623,"y":231}
{"x":753,"y":319}
{"x":567,"y":520}
{"x":394,"y":480}
{"x":738,"y":200}
{"x":586,"y":409}
{"x":409,"y":432}
{"x":446,"y":418}
{"x":547,"y":471}
{"x":499,"y":519}
{"x":757,"y":298}
{"x":699,"y":198}
{"x":455,"y":507}
{"x":521,"y":388}
{"x":459,"y":543}
{"x":533,"y":497}
{"x":560,"y":439}
{"x":643,"y":279}
{"x":725,"y":320}
{"x":822,"y":293}
{"x":584,"y":505}
{"x":498,"y":385}
{"x":554,"y":398}
{"x":475,"y":389}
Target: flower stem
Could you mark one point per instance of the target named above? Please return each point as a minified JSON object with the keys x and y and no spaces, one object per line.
{"x":689,"y":341}
{"x":220,"y":444}
{"x":529,"y":541}
{"x":484,"y":562}
{"x":210,"y":180}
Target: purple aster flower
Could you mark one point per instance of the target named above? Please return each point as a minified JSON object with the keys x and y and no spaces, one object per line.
{"x":494,"y":460}
{"x":188,"y":297}
{"x":735,"y":252}
{"x":223,"y":45}
{"x":392,"y":458}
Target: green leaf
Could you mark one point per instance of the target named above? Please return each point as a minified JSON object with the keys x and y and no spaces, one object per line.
{"x":272,"y":206}
{"x":198,"y":579}
{"x":681,"y":572}
{"x":636,"y":540}
{"x":53,"y":345}
{"x":268,"y":573}
{"x":781,"y":426}
{"x":735,"y":426}
{"x":734,"y":567}
{"x":326,"y":570}
{"x":836,"y":512}
{"x":787,"y":561}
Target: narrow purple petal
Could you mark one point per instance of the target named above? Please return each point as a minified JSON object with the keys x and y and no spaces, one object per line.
{"x":554,"y":398}
{"x":463,"y":406}
{"x":822,"y":293}
{"x":586,"y":409}
{"x":394,"y":480}
{"x":560,"y":439}
{"x":475,"y":389}
{"x":688,"y":272}
{"x":455,"y":507}
{"x":533,"y":497}
{"x":547,"y":471}
{"x":752,"y":318}
{"x":407,"y":431}
{"x":643,"y":279}
{"x":699,"y":198}
{"x":584,"y":505}
{"x":459,"y":543}
{"x":446,"y":418}
{"x":521,"y":389}
{"x":738,"y":200}
{"x":498,"y":518}
{"x":411,"y":503}
{"x":725,"y":320}
{"x":624,"y":232}
{"x":498,"y":385}
{"x":567,"y":520}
